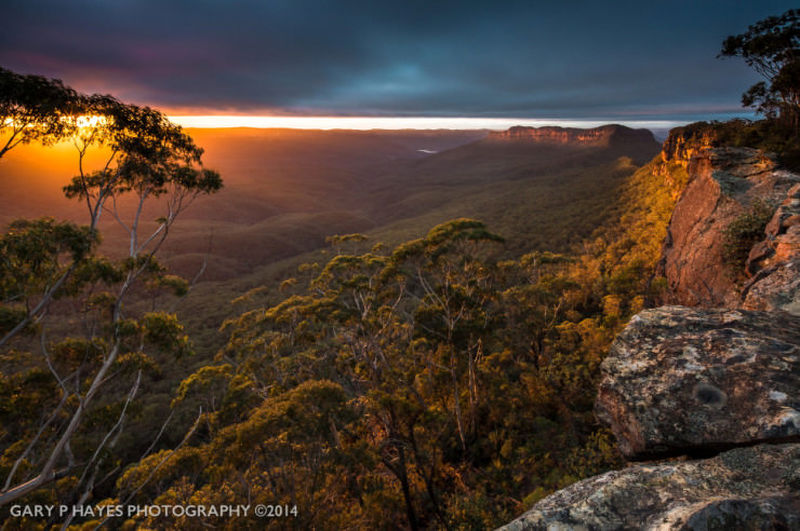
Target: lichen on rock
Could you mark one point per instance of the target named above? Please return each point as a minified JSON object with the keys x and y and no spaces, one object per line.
{"x":753,"y":488}
{"x":691,"y":381}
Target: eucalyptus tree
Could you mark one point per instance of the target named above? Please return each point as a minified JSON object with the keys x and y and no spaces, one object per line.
{"x":772,"y":48}
{"x":35,"y":108}
{"x":146,"y":161}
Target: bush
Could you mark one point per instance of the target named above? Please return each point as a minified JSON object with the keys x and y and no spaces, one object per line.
{"x":744,"y":232}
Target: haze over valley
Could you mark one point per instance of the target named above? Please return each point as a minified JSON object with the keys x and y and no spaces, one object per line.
{"x":287,"y":190}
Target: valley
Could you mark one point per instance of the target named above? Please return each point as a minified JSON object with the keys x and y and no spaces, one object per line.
{"x":286,"y":190}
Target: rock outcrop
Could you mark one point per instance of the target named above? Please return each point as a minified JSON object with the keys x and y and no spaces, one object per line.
{"x":775,"y":288}
{"x":689,"y":381}
{"x":718,"y":382}
{"x":724,"y":183}
{"x":606,"y":135}
{"x":775,"y":262}
{"x":782,"y":241}
{"x":684,"y":143}
{"x":754,"y":488}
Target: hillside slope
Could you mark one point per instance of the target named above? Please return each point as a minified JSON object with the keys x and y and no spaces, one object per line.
{"x":539,"y":195}
{"x":286,"y":190}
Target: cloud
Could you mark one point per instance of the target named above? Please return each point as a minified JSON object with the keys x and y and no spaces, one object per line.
{"x":409,"y":58}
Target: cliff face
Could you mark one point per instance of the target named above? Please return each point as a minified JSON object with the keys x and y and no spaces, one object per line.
{"x":606,"y":135}
{"x":717,"y":384}
{"x":724,"y":183}
{"x":682,"y":145}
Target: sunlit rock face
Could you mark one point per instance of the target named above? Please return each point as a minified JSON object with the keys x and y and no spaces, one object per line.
{"x":724,"y":183}
{"x":689,"y":381}
{"x":752,"y":488}
{"x":599,"y":136}
{"x":681,"y":146}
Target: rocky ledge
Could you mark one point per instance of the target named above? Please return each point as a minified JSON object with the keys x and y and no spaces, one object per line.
{"x":690,"y":381}
{"x":723,"y":384}
{"x":774,"y":263}
{"x":753,"y":488}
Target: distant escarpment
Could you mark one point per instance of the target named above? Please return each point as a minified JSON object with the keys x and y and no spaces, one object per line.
{"x":606,"y":135}
{"x":713,"y":379}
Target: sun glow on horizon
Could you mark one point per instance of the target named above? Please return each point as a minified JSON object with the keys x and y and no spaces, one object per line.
{"x":83,"y":121}
{"x":87,"y":121}
{"x":365,"y":123}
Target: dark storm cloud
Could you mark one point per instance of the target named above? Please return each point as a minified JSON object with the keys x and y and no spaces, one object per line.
{"x":534,"y":59}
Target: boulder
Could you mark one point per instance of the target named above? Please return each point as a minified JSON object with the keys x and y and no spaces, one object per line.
{"x":776,"y":288}
{"x":691,"y":381}
{"x":753,"y":488}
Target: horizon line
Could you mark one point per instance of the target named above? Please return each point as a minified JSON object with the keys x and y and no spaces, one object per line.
{"x":365,"y":123}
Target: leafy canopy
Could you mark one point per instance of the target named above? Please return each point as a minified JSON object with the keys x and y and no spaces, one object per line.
{"x":772,"y":48}
{"x":35,"y":108}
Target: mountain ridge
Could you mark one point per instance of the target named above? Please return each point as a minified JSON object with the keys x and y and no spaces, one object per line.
{"x":604,"y":135}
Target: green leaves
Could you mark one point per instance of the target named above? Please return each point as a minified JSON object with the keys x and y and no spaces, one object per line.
{"x":772,"y":48}
{"x":34,"y":253}
{"x":165,"y":332}
{"x":429,"y":366}
{"x":141,"y":154}
{"x":767,"y":44}
{"x":447,"y":237}
{"x":743,"y":232}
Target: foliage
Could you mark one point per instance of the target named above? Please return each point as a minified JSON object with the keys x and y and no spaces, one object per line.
{"x":434,"y":384}
{"x":743,"y":232}
{"x":35,"y":108}
{"x":771,"y":47}
{"x":75,"y":351}
{"x":443,"y":382}
{"x":35,"y":253}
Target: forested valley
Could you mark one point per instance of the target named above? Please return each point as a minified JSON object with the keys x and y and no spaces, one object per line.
{"x":437,"y":376}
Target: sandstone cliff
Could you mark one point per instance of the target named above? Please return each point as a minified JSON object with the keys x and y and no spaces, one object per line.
{"x":606,"y":135}
{"x":774,"y":263}
{"x":715,"y":385}
{"x":724,"y":183}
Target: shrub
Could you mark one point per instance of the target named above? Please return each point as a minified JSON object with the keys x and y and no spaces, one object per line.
{"x":744,"y":232}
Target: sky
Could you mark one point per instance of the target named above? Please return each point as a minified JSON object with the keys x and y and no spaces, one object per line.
{"x":648,"y":61}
